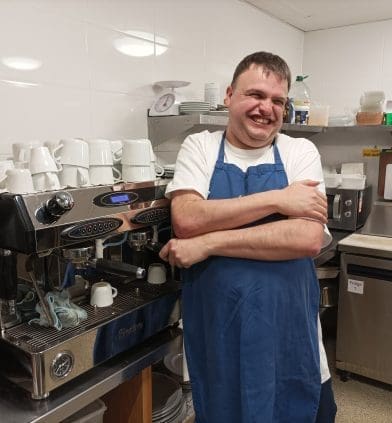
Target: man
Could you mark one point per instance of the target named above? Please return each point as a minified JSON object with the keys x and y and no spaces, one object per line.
{"x":248,"y":214}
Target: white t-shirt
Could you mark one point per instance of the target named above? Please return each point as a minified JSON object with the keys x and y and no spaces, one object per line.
{"x":196,"y":162}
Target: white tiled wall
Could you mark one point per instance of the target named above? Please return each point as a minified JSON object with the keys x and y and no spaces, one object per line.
{"x":342,"y":64}
{"x":345,"y":62}
{"x":83,"y":87}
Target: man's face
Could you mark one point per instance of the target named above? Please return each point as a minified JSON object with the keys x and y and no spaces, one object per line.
{"x":256,"y":105}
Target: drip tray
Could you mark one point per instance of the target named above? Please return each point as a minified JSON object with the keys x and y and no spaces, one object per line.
{"x":35,"y":338}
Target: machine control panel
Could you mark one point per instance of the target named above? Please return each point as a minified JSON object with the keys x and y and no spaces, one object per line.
{"x":151,"y":216}
{"x":92,"y":228}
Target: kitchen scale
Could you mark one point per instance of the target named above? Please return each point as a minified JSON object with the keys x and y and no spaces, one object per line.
{"x":168,"y":100}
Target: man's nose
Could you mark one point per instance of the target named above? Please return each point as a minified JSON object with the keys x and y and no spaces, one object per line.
{"x":265,"y":106}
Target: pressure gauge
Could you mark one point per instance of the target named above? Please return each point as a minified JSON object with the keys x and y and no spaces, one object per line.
{"x":62,"y":365}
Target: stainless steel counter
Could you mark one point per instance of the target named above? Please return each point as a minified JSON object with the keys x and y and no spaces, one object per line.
{"x":16,"y":406}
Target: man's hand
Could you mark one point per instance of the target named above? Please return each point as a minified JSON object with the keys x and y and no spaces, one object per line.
{"x":303,"y":199}
{"x":184,"y":252}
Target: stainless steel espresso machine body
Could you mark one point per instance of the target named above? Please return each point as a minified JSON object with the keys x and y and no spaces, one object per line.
{"x":41,"y":234}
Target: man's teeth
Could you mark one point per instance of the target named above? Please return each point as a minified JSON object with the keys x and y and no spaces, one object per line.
{"x":262,"y":120}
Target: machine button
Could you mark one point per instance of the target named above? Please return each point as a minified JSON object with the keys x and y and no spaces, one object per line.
{"x":348,"y":203}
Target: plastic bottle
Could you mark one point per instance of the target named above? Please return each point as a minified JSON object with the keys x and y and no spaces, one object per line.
{"x":299,"y":96}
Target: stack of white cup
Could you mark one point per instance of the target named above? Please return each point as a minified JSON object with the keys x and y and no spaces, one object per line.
{"x":44,"y":169}
{"x":102,"y":170}
{"x":73,"y":154}
{"x":138,"y":161}
{"x":13,"y":179}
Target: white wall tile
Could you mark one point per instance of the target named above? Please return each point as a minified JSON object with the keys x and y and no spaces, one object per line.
{"x":118,"y":116}
{"x":122,"y":15}
{"x":57,"y":44}
{"x":344,"y":62}
{"x":43,"y":112}
{"x":114,"y":71}
{"x":86,"y":88}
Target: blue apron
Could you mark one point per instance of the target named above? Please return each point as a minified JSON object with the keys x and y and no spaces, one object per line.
{"x":250,"y":326}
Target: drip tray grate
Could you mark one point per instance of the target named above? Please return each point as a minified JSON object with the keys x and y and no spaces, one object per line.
{"x":35,"y":338}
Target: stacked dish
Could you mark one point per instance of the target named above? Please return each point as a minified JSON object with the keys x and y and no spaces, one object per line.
{"x":192,"y":107}
{"x":168,"y":170}
{"x":167,"y":400}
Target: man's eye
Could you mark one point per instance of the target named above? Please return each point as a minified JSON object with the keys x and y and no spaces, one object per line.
{"x":280,"y":103}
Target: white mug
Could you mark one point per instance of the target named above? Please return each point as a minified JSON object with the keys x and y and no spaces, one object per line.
{"x":132,"y":173}
{"x":4,"y":166}
{"x":19,"y":181}
{"x":42,"y":161}
{"x":101,"y":153}
{"x":103,"y":175}
{"x":46,"y":181}
{"x":156,"y":273}
{"x":21,"y":150}
{"x":137,"y":152}
{"x":73,"y":151}
{"x":102,"y":294}
{"x":74,"y":176}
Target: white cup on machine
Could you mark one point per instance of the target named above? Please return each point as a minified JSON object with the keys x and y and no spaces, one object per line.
{"x":102,"y":294}
{"x":138,"y":161}
{"x":156,"y":273}
{"x":21,"y":150}
{"x":73,"y":151}
{"x":19,"y":181}
{"x":74,"y":176}
{"x":41,"y":160}
{"x":104,"y":175}
{"x":101,"y":153}
{"x":46,"y":181}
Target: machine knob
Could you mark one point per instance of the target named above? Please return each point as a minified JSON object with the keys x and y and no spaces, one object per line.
{"x":60,"y":203}
{"x":348,"y":203}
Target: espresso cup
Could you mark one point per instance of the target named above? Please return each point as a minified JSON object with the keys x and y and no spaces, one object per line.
{"x":46,"y":181}
{"x":137,"y":152}
{"x":101,"y":153}
{"x":103,"y":175}
{"x":73,"y":151}
{"x":74,"y":176}
{"x":21,"y":150}
{"x":42,"y":161}
{"x":102,"y":294}
{"x":156,"y":273}
{"x":132,"y":173}
{"x":19,"y":181}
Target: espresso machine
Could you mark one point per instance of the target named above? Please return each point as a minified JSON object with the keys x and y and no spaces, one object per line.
{"x":56,"y":240}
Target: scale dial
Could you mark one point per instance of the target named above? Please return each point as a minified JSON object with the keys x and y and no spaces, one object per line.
{"x":62,"y":365}
{"x":164,"y":102}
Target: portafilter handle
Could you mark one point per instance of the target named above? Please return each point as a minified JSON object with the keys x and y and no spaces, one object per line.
{"x":119,"y":268}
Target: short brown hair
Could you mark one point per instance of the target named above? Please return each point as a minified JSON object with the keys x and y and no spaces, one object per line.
{"x":270,"y":62}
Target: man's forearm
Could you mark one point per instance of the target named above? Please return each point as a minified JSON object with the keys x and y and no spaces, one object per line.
{"x":282,"y":240}
{"x":192,"y":216}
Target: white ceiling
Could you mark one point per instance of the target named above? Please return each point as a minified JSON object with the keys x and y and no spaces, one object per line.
{"x":310,"y":15}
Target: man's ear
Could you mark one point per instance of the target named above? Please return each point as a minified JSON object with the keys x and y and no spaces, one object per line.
{"x":229,"y":93}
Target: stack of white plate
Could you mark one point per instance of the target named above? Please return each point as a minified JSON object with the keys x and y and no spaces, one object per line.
{"x":191,"y":107}
{"x":168,"y":405}
{"x":169,"y":170}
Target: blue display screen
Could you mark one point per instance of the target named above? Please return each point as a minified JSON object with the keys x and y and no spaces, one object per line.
{"x":119,"y":198}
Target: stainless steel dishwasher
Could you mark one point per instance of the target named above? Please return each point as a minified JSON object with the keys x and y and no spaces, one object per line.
{"x":364,"y":330}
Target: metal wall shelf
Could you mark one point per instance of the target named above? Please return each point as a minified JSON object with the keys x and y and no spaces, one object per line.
{"x":163,"y":128}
